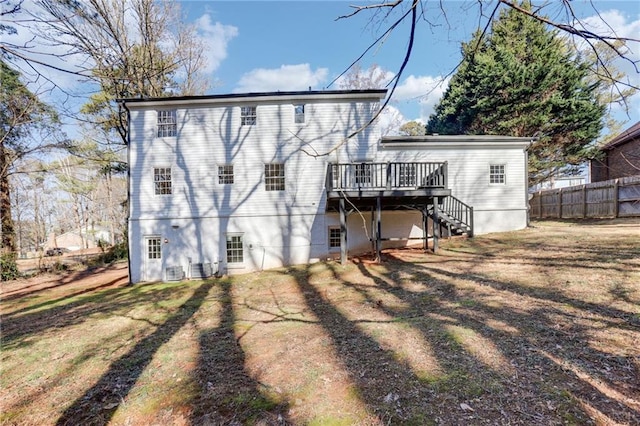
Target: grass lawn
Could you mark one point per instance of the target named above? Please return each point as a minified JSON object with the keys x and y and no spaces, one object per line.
{"x":540,"y":326}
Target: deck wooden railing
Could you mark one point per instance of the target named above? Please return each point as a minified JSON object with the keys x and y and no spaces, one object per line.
{"x":385,"y":176}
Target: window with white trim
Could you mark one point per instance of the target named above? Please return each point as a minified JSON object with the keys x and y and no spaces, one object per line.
{"x":497,"y":174}
{"x":248,"y":116}
{"x":225,"y":174}
{"x":407,"y":174}
{"x":154,"y":248}
{"x":167,"y":123}
{"x":162,"y":180}
{"x":235,"y":248}
{"x":298,"y":113}
{"x":334,"y":237}
{"x":274,"y":177}
{"x":363,"y":174}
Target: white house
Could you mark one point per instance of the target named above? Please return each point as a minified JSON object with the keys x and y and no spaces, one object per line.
{"x":244,"y":182}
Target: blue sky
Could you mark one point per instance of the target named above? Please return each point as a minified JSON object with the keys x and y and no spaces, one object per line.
{"x":291,"y":45}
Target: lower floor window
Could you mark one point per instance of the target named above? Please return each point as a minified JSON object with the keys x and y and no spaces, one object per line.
{"x":235,"y":249}
{"x":154,"y":248}
{"x":334,"y":237}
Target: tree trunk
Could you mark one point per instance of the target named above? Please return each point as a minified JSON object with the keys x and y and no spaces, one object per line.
{"x":6,"y":221}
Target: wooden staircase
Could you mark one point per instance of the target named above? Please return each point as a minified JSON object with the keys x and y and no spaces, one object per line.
{"x":453,"y":217}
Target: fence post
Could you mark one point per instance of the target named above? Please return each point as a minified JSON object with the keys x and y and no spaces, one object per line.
{"x":616,"y":197}
{"x":560,"y":203}
{"x":540,"y":216}
{"x":584,"y":201}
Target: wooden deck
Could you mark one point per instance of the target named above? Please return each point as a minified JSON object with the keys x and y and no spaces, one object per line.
{"x":397,"y":185}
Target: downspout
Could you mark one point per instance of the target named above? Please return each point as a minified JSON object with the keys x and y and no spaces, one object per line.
{"x":124,"y":105}
{"x":526,"y":179}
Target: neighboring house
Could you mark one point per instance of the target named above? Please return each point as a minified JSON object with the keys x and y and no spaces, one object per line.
{"x":621,"y":157}
{"x":78,"y":239}
{"x":241,"y":182}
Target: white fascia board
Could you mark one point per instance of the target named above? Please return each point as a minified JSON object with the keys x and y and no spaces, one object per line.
{"x":257,"y":99}
{"x":456,"y":142}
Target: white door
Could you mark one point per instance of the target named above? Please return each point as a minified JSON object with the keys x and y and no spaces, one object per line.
{"x":152,"y":258}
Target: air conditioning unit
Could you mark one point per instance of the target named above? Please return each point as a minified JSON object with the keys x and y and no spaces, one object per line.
{"x":201,"y":270}
{"x":174,"y":273}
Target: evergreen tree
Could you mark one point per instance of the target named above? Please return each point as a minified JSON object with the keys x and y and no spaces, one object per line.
{"x":522,"y":79}
{"x":27,"y":127}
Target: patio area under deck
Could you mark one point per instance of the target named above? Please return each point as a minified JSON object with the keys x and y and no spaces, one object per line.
{"x":377,"y":187}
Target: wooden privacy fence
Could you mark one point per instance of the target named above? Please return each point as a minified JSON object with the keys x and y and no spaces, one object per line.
{"x":611,"y":198}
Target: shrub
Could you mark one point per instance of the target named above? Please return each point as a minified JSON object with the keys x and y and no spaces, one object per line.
{"x":8,"y":267}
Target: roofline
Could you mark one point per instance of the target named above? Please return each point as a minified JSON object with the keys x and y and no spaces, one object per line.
{"x":448,"y":141}
{"x":627,"y":135}
{"x":256,"y":97}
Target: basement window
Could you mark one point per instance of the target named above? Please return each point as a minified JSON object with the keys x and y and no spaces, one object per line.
{"x":334,"y":237}
{"x":154,"y":248}
{"x":235,"y":248}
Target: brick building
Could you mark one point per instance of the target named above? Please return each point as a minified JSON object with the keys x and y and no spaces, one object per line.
{"x":621,"y":157}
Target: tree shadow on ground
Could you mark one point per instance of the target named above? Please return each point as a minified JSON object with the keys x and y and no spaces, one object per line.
{"x":100,"y":402}
{"x":228,"y":394}
{"x":547,"y":343}
{"x":19,"y":326}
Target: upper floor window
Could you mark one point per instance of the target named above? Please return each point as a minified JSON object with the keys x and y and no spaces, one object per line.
{"x":407,"y":174}
{"x":363,"y":174}
{"x":248,"y":116}
{"x":299,"y":113}
{"x":225,"y":174}
{"x":496,"y":174}
{"x":274,"y":177}
{"x":167,"y":123}
{"x":162,"y":180}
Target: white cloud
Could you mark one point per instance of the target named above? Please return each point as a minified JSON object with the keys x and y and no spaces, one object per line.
{"x":390,"y":121}
{"x":216,"y":38}
{"x":287,"y":77}
{"x":425,"y":90}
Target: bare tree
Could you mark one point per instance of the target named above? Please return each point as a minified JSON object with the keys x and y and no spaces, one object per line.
{"x":394,"y":13}
{"x":28,"y":127}
{"x":128,"y":48}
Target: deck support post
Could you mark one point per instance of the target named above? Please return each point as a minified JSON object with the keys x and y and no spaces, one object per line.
{"x":425,"y":229}
{"x":436,"y":225}
{"x":373,"y":231}
{"x":378,"y":228}
{"x":343,"y":232}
